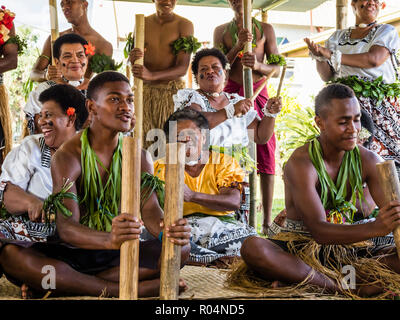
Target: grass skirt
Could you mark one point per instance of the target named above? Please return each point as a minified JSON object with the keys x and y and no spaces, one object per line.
{"x":328,"y":260}
{"x":158,"y":105}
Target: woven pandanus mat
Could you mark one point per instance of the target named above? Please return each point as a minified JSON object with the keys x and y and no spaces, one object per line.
{"x":210,"y":283}
{"x":203,"y":283}
{"x":8,"y":290}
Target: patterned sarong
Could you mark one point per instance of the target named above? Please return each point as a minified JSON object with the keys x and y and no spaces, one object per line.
{"x":386,"y":118}
{"x":22,"y":229}
{"x":216,"y":237}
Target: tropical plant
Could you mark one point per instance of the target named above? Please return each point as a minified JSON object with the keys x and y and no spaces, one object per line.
{"x":294,"y":125}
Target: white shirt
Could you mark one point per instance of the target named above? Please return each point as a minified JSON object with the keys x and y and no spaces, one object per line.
{"x":383,"y":35}
{"x":231,"y":131}
{"x":28,"y":167}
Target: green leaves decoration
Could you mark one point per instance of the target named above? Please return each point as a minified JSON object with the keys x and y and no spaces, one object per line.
{"x":188,"y":44}
{"x":54,"y":202}
{"x":150,"y":184}
{"x":129,"y":45}
{"x":102,"y":62}
{"x":375,"y":89}
{"x":333,"y":196}
{"x":276,"y":59}
{"x":20,"y":42}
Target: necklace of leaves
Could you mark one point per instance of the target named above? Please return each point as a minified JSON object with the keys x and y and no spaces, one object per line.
{"x":233,"y":30}
{"x":101,"y":202}
{"x":339,"y":210}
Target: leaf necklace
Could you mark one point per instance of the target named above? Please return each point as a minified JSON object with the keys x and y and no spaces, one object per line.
{"x":338,"y":209}
{"x":101,"y":202}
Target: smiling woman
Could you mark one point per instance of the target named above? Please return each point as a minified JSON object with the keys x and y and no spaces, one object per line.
{"x":71,"y":62}
{"x":364,"y":58}
{"x":26,"y":178}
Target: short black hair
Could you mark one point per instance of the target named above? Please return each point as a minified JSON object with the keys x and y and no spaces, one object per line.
{"x":330,"y":92}
{"x":187,"y":114}
{"x":205,"y":53}
{"x":67,"y":96}
{"x":100,"y":79}
{"x":67,"y":38}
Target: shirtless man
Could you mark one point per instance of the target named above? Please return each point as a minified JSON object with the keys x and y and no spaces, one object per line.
{"x":338,"y":117}
{"x":75,"y":11}
{"x":265,"y":42}
{"x":93,"y":264}
{"x":163,"y":70}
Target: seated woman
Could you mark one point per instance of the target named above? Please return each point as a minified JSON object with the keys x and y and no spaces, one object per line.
{"x":71,"y":64}
{"x":26,"y":180}
{"x":230,"y":116}
{"x":213,"y":182}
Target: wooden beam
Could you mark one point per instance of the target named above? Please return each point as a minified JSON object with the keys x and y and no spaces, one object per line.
{"x":130,"y":193}
{"x":173,"y":211}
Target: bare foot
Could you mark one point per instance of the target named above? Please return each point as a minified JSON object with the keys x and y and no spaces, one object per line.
{"x":368,"y":290}
{"x":25,"y":292}
{"x":182,"y":286}
{"x":277,"y":284}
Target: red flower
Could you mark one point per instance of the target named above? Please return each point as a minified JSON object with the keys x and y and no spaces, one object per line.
{"x":70,"y":111}
{"x":89,"y":49}
{"x":383,"y":5}
{"x":8,"y":21}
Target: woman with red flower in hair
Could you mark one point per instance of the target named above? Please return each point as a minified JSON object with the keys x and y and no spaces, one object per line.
{"x":25,"y":181}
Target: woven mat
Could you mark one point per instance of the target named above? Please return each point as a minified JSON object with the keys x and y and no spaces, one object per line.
{"x":203,"y":283}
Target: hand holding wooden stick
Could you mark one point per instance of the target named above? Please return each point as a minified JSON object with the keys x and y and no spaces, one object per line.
{"x":391,"y":189}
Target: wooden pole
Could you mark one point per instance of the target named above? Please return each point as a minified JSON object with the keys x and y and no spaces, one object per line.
{"x":248,"y":93}
{"x":130,"y":193}
{"x":264,"y":16}
{"x":341,"y":14}
{"x":278,"y":93}
{"x":391,"y":188}
{"x":173,"y":211}
{"x":53,"y":25}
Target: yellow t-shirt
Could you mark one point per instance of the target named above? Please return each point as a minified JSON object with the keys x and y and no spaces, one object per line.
{"x":220,"y":171}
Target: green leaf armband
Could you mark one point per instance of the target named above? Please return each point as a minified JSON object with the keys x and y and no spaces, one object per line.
{"x":102,"y":62}
{"x":188,"y":44}
{"x":130,"y":44}
{"x":54,"y":202}
{"x":276,"y":59}
{"x":22,"y":44}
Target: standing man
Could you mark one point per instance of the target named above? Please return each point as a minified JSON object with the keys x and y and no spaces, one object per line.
{"x":8,"y":61}
{"x":75,"y":11}
{"x":166,"y":61}
{"x":231,"y":38}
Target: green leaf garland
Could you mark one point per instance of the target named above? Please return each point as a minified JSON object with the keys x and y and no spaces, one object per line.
{"x":188,"y":44}
{"x":375,"y":89}
{"x":333,"y":195}
{"x":102,"y":62}
{"x":21,"y":43}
